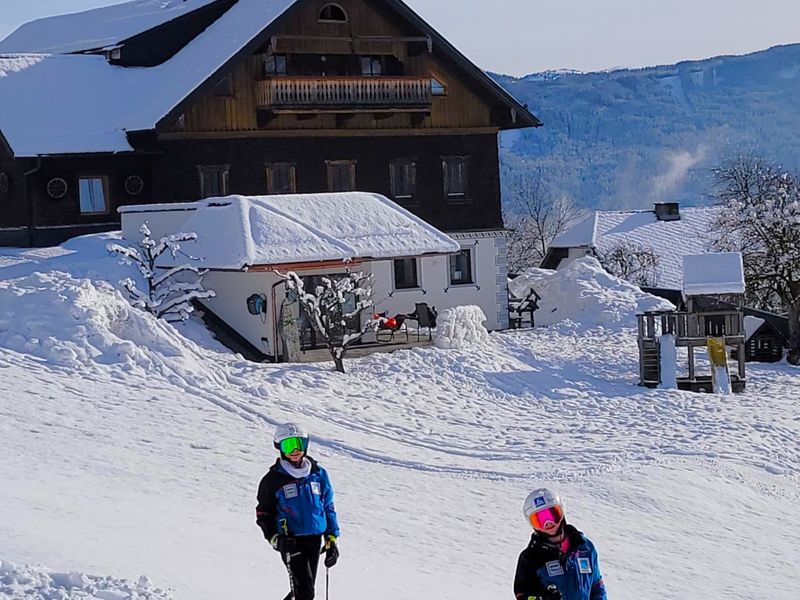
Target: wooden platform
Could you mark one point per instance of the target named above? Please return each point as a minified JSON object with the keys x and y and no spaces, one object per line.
{"x":322,"y":354}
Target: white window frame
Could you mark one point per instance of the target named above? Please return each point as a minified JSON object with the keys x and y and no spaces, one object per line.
{"x":418,"y":286}
{"x":472,"y":267}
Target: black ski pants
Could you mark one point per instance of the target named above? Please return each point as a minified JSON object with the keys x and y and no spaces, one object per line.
{"x":303,"y":565}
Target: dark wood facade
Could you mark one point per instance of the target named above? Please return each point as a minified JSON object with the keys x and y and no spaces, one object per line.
{"x":311,"y":94}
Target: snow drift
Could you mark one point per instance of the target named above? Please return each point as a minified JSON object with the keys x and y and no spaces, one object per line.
{"x":20,"y":583}
{"x":460,"y":328}
{"x":585,"y":293}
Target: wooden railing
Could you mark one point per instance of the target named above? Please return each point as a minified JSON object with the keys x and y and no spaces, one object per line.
{"x":692,"y":326}
{"x":344,"y":92}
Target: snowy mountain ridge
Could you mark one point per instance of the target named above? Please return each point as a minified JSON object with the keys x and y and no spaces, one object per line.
{"x":630,"y":137}
{"x":136,"y":448}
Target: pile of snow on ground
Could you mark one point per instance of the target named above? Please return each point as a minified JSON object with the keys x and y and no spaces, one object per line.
{"x":585,"y":293}
{"x":460,"y":328}
{"x":35,"y":582}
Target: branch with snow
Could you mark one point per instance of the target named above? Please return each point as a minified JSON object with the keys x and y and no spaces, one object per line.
{"x":166,"y":297}
{"x":331,"y":305}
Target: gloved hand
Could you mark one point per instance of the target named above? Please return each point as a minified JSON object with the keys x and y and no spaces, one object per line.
{"x":331,"y":551}
{"x":552,"y":593}
{"x":283,"y":543}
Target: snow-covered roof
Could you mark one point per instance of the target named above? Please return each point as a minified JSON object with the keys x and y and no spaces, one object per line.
{"x":237,"y":232}
{"x":751,"y":325}
{"x":670,"y":240}
{"x":52,"y":104}
{"x":713,"y":273}
{"x":96,"y":28}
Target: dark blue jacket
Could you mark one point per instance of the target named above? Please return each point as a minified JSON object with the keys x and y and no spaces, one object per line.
{"x":576,"y":574}
{"x":306,"y":504}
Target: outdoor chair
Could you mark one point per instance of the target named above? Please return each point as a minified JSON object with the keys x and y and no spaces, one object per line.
{"x":517,"y":309}
{"x":425,"y":317}
{"x":387,"y":326}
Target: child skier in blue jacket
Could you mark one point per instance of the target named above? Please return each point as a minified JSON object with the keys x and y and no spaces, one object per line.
{"x":560,"y":563}
{"x":295,"y":509}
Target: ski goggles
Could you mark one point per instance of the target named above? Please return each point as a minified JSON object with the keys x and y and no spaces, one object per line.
{"x":547,"y":517}
{"x":291,"y":444}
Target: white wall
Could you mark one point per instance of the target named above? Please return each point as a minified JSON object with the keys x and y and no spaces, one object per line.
{"x":490,"y":290}
{"x":160,"y":221}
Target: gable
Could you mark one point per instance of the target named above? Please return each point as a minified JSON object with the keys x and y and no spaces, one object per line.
{"x":372,"y":29}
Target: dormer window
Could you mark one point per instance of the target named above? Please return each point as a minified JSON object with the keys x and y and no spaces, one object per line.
{"x":332,"y":13}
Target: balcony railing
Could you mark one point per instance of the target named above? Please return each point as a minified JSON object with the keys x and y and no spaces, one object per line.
{"x":314,"y":93}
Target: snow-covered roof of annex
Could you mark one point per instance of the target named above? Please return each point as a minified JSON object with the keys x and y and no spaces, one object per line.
{"x":96,"y":28}
{"x":56,"y":103}
{"x":241,"y":232}
{"x":603,"y":231}
{"x":713,"y":273}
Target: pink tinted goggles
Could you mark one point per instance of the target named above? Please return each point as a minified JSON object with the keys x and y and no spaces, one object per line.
{"x":546,"y":517}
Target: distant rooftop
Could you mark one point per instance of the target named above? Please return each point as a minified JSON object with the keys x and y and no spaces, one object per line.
{"x":671,"y":240}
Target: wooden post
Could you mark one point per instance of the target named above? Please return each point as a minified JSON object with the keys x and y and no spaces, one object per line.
{"x":691,"y":363}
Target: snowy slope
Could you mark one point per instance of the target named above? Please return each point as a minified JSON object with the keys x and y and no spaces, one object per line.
{"x":131,"y":448}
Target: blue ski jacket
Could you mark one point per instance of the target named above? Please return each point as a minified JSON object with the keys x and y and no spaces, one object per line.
{"x":306,"y":504}
{"x":576,"y":574}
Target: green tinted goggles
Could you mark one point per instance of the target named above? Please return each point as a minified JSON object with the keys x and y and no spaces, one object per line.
{"x":291,"y":444}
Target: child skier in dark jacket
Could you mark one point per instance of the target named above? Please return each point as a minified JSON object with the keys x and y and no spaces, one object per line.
{"x":560,"y":563}
{"x":295,"y":509}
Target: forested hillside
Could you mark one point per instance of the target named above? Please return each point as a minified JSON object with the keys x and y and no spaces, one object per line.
{"x":623,"y":139}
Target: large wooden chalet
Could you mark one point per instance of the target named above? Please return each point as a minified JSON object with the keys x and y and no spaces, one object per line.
{"x":360,"y":94}
{"x":156,"y":101}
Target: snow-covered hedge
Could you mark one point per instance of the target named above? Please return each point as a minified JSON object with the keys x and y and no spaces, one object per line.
{"x":584,"y":292}
{"x":460,"y":328}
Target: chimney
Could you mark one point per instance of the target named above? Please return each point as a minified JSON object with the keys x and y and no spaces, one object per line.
{"x":668,"y":211}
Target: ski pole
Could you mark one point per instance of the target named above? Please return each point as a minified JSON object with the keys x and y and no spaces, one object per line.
{"x":287,"y":560}
{"x":327,"y":582}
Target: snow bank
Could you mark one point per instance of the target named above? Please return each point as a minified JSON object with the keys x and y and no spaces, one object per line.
{"x":36,"y":582}
{"x":583,"y":292}
{"x":460,"y":328}
{"x":64,"y":308}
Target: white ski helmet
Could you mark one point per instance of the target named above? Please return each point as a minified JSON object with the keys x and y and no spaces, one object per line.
{"x":288,"y":430}
{"x":539,"y":500}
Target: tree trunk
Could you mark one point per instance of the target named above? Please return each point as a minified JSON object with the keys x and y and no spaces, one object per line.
{"x":338,"y":357}
{"x":794,"y":333}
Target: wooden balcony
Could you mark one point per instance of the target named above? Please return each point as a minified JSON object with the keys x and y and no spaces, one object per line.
{"x":344,"y":94}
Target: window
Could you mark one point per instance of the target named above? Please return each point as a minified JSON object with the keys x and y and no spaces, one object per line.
{"x":333,"y":13}
{"x":403,"y":178}
{"x":341,"y":175}
{"x":456,"y":176}
{"x":213,"y":180}
{"x":437,"y":87}
{"x":224,"y":88}
{"x":461,"y":268}
{"x":371,"y":66}
{"x":93,"y":194}
{"x":276,"y":64}
{"x":405,"y":274}
{"x":281,"y":178}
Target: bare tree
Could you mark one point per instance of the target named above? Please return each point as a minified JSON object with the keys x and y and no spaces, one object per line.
{"x":536,"y":216}
{"x":634,"y":263}
{"x":332,"y":305}
{"x":760,"y":218}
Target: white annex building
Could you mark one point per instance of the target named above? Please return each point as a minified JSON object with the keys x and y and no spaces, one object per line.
{"x":244,"y":242}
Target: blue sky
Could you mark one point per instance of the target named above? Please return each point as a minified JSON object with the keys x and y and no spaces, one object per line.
{"x":522,"y":36}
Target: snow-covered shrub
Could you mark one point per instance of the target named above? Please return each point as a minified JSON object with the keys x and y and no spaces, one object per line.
{"x":460,"y":328}
{"x":166,"y":297}
{"x":634,"y":263}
